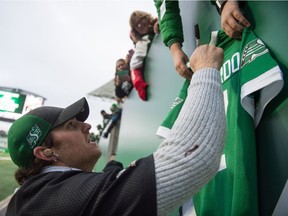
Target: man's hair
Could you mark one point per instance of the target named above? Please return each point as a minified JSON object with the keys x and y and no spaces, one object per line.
{"x":22,"y":174}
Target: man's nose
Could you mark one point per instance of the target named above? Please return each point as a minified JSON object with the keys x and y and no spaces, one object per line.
{"x":86,"y":127}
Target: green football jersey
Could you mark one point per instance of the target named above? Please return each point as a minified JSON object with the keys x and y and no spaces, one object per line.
{"x":250,"y":79}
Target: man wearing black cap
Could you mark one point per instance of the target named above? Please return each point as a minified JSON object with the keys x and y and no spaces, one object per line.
{"x":55,"y":156}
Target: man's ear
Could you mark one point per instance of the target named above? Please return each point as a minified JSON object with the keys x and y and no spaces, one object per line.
{"x":41,"y":153}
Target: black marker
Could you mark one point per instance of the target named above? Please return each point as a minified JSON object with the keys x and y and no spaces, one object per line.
{"x":197,"y":39}
{"x":197,"y":35}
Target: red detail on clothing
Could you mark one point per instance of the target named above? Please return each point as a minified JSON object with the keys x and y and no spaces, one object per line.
{"x":139,"y":84}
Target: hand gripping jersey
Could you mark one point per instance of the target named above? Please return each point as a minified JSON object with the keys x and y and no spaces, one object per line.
{"x":250,"y":78}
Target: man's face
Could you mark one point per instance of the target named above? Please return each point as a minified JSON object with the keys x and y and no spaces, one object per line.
{"x":71,"y":142}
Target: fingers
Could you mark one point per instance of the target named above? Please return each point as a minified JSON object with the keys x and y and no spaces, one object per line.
{"x":207,"y":56}
{"x":232,"y":28}
{"x":180,"y":59}
{"x":235,"y":24}
{"x":231,"y":25}
{"x":241,"y":19}
{"x":184,"y":72}
{"x":232,"y":20}
{"x":204,"y":56}
{"x":156,"y":28}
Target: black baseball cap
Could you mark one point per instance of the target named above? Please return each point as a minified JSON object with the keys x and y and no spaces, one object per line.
{"x":30,"y":130}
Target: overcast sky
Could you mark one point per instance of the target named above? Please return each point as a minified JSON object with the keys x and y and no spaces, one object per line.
{"x":63,"y":50}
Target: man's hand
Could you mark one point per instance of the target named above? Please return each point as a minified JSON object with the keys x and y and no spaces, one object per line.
{"x":232,"y":19}
{"x":156,"y":27}
{"x":207,"y":56}
{"x":180,"y":59}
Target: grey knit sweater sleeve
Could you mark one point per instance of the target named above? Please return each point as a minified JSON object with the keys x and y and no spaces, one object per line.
{"x":190,"y":156}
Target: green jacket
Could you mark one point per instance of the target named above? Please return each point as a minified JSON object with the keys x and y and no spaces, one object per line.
{"x":170,"y":22}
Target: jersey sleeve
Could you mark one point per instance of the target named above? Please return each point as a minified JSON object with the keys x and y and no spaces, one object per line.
{"x":261,"y":78}
{"x":169,"y":21}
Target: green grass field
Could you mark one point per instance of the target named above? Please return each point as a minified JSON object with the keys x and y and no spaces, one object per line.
{"x":7,"y":180}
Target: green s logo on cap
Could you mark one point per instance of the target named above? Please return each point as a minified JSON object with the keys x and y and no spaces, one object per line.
{"x":33,"y":136}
